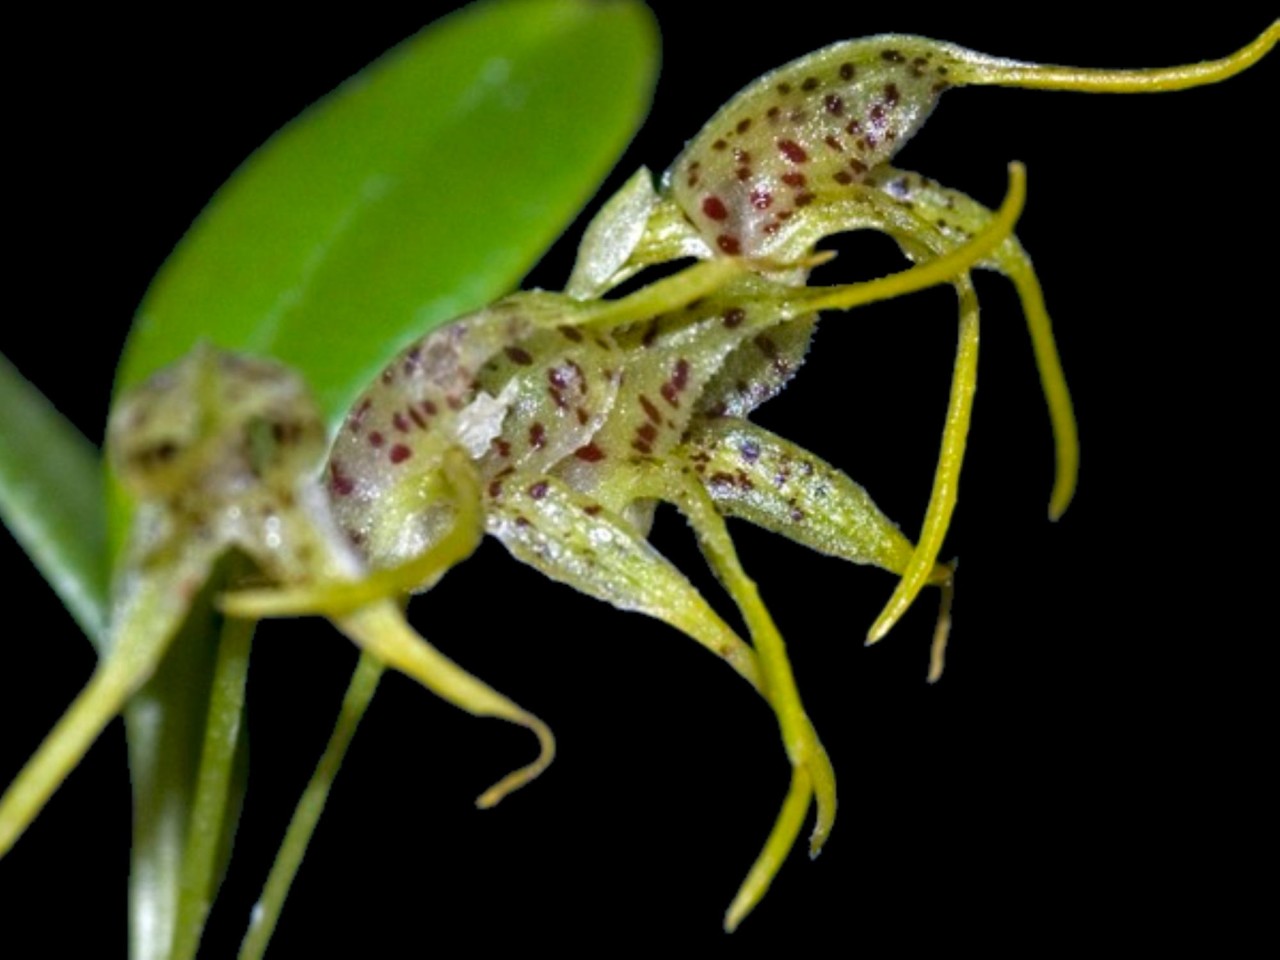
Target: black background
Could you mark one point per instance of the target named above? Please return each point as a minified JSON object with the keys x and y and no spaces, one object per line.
{"x":1093,"y":755}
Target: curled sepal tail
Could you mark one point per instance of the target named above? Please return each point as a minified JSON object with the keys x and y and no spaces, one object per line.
{"x":381,"y":630}
{"x":942,"y":499}
{"x":969,"y":67}
{"x":781,"y":839}
{"x":360,"y":608}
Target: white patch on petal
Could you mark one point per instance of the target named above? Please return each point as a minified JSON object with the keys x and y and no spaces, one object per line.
{"x":481,"y":421}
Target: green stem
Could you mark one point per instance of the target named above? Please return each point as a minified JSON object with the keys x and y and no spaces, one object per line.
{"x":266,"y":913}
{"x":213,"y":786}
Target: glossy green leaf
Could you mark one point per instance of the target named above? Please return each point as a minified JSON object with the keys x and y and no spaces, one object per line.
{"x":51,"y":499}
{"x":424,"y":187}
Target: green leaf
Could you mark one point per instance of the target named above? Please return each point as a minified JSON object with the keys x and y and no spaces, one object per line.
{"x":51,"y":499}
{"x":423,"y":188}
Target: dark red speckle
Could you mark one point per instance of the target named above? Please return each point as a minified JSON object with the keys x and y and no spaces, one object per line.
{"x":518,"y":355}
{"x":744,"y":125}
{"x":400,"y":453}
{"x":834,"y":105}
{"x":761,"y":199}
{"x":590,"y":453}
{"x":846,"y":71}
{"x":558,"y":383}
{"x":734,"y":317}
{"x":729,"y":244}
{"x":537,"y":436}
{"x":376,"y":439}
{"x":792,"y":151}
{"x":714,"y":208}
{"x":892,"y":56}
{"x":400,"y":422}
{"x":538,"y":490}
{"x":650,"y":410}
{"x":357,"y":416}
{"x":650,"y":333}
{"x":794,"y":179}
{"x":680,"y":379}
{"x":339,"y":482}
